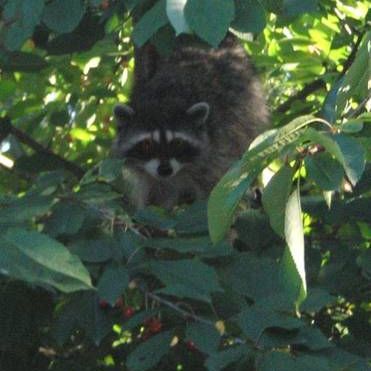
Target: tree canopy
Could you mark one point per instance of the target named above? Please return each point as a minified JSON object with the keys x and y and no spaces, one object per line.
{"x":86,"y":283}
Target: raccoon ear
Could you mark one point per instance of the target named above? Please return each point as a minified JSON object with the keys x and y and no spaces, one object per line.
{"x":199,"y":112}
{"x":123,"y":113}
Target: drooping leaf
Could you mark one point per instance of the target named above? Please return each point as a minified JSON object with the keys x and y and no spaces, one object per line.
{"x":205,"y":337}
{"x":22,"y":210}
{"x":209,"y":19}
{"x":249,"y":17}
{"x":292,"y":265}
{"x":218,"y":361}
{"x":227,"y":194}
{"x":66,"y":219}
{"x":97,"y":250}
{"x":63,"y":16}
{"x":38,"y":259}
{"x":255,"y":320}
{"x":356,"y":81}
{"x":112,"y":284}
{"x":224,"y":200}
{"x":82,"y":311}
{"x":353,"y":157}
{"x":149,"y":353}
{"x":251,"y":276}
{"x":175,"y":13}
{"x":20,"y":17}
{"x":275,"y":197}
{"x":150,"y":23}
{"x":325,"y":171}
{"x":186,"y":278}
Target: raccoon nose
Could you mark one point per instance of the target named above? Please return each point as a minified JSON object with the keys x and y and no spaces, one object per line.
{"x":164,"y":170}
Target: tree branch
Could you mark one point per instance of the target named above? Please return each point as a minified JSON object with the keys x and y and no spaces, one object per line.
{"x":37,"y":147}
{"x":301,"y":95}
{"x":319,"y":83}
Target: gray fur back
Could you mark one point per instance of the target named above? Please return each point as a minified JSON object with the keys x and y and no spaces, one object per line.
{"x":224,"y":78}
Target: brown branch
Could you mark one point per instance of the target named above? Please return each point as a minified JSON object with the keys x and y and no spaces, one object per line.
{"x":319,"y":83}
{"x":301,"y":95}
{"x":37,"y":147}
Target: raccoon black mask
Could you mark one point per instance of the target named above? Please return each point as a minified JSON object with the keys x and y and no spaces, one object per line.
{"x":161,"y":150}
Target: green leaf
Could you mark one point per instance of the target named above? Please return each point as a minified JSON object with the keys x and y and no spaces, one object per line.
{"x":345,"y":149}
{"x":254,"y":230}
{"x":364,"y":262}
{"x":150,"y":23}
{"x":311,"y":338}
{"x":356,"y":81}
{"x":218,"y":361}
{"x":275,"y":197}
{"x":293,"y":8}
{"x":255,"y":320}
{"x":24,"y":209}
{"x":325,"y":171}
{"x":353,"y":157}
{"x":175,"y":13}
{"x":283,"y":361}
{"x":36,"y":258}
{"x":155,"y":217}
{"x":110,"y":169}
{"x":193,"y":220}
{"x":94,"y":250}
{"x":195,"y":245}
{"x":112,"y":284}
{"x":225,"y":198}
{"x":209,"y":19}
{"x":7,"y":89}
{"x":205,"y":337}
{"x":21,"y":61}
{"x":63,"y":16}
{"x":66,"y":219}
{"x":20,"y":17}
{"x":250,"y":16}
{"x":149,"y":353}
{"x":186,"y":279}
{"x":316,"y":300}
{"x":227,"y":194}
{"x":251,"y":276}
{"x":292,"y":265}
{"x":82,"y":311}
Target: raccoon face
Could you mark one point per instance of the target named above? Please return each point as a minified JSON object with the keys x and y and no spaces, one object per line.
{"x":164,"y":149}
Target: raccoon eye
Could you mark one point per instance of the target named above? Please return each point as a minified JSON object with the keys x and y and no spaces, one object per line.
{"x":142,"y":150}
{"x":183,"y":150}
{"x":146,"y":146}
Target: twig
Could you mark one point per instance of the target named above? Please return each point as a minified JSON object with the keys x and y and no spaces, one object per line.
{"x":183,"y":312}
{"x":319,"y":83}
{"x":30,"y":142}
{"x":302,"y":94}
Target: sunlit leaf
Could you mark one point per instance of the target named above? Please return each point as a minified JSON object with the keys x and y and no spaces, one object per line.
{"x":292,"y":266}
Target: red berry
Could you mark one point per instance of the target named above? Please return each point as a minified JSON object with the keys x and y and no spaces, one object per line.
{"x":155,"y":325}
{"x":128,"y":312}
{"x":103,"y":304}
{"x":191,"y":346}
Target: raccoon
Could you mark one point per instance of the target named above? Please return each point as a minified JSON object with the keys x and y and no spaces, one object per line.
{"x":189,"y":117}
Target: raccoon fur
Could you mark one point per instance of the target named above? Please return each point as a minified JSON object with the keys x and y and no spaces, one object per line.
{"x":190,"y":116}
